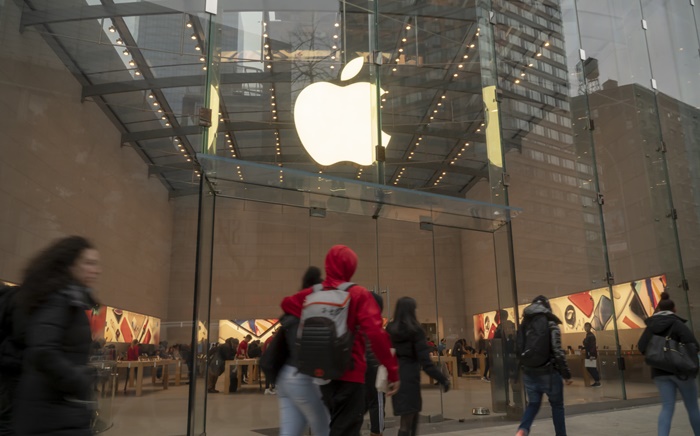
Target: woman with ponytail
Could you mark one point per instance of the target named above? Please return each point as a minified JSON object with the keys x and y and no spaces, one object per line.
{"x":665,"y":322}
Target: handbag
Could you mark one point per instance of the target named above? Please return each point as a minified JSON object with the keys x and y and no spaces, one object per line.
{"x":275,"y":355}
{"x":590,"y":363}
{"x":670,"y":355}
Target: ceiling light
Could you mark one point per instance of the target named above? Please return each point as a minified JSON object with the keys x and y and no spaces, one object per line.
{"x":335,"y":36}
{"x":132,"y":63}
{"x":125,"y":52}
{"x":267,"y":46}
{"x":456,"y":75}
{"x":466,"y":56}
{"x":204,"y":68}
{"x":471,"y":46}
{"x":197,"y":47}
{"x":546,"y":44}
{"x":522,"y":74}
{"x":112,"y":29}
{"x":403,"y":39}
{"x":393,"y":69}
{"x":400,"y":50}
{"x":539,"y":54}
{"x":193,"y":37}
{"x":337,"y":24}
{"x":264,"y":35}
{"x":530,"y":64}
{"x":189,"y":24}
{"x":155,"y":103}
{"x":408,"y":27}
{"x":150,"y":95}
{"x":269,"y":66}
{"x":120,"y":41}
{"x":137,"y":72}
{"x":202,"y":59}
{"x":167,"y":124}
{"x":335,"y":47}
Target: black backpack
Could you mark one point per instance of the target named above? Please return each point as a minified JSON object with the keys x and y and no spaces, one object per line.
{"x":10,"y":351}
{"x":534,"y":342}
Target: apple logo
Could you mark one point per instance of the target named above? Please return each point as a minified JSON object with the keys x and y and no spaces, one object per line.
{"x":335,"y":123}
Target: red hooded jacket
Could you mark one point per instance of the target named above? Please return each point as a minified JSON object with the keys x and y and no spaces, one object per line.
{"x":341,"y":263}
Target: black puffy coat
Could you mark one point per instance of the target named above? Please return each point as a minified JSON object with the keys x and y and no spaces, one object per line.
{"x":55,"y":390}
{"x":412,"y":352}
{"x":666,"y":323}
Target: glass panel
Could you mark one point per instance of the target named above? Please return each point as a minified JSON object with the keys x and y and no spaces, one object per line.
{"x":406,"y":269}
{"x":673,"y":49}
{"x":462,"y":297}
{"x":201,"y":330}
{"x":261,"y":252}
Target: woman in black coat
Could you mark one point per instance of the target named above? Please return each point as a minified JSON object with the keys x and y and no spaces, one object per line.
{"x":55,"y":390}
{"x":412,"y":352}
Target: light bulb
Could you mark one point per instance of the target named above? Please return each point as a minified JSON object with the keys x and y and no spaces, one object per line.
{"x":112,"y":29}
{"x":120,"y":41}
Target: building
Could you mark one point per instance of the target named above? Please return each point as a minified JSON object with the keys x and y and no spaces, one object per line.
{"x":531,"y":147}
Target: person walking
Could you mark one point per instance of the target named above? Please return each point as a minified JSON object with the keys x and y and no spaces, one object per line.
{"x":374,"y":400}
{"x":413,"y":353}
{"x":11,"y":355}
{"x":55,"y":394}
{"x":345,"y":396}
{"x":132,"y":355}
{"x":589,"y":344}
{"x":544,"y":364}
{"x":300,"y":399}
{"x":665,"y":322}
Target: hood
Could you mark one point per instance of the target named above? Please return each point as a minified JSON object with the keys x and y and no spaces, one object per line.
{"x":341,"y":263}
{"x":539,"y":309}
{"x":79,"y":296}
{"x":660,"y":322}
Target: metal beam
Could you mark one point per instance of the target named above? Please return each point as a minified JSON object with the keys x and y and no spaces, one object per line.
{"x":84,"y":12}
{"x":180,"y":82}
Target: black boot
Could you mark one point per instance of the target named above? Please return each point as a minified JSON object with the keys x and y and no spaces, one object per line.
{"x":404,"y":433}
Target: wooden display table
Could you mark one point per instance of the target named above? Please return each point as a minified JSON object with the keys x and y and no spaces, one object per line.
{"x":481,"y":359}
{"x":451,"y":363}
{"x":253,"y":373}
{"x":137,"y":381}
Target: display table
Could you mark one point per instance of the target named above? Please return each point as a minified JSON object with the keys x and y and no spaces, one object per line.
{"x":451,"y":363}
{"x":137,"y":381}
{"x":253,"y":372}
{"x":481,"y":358}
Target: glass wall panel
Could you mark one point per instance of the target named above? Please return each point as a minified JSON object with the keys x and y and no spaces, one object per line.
{"x":406,"y":269}
{"x":465,"y":279}
{"x":673,"y":51}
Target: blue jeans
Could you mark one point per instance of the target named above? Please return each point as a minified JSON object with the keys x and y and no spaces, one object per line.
{"x":667,"y":385}
{"x":551,"y":384}
{"x":300,"y":404}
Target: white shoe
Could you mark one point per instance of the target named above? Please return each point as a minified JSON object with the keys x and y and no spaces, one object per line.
{"x":269,"y":392}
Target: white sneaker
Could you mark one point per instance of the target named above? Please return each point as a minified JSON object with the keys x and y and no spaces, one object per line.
{"x":269,"y":392}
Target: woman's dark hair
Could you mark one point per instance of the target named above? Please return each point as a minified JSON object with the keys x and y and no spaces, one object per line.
{"x":49,"y":271}
{"x":666,"y":303}
{"x":312,"y":276}
{"x":405,"y":318}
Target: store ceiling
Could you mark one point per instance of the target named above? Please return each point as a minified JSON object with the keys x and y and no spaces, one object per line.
{"x":143,"y":64}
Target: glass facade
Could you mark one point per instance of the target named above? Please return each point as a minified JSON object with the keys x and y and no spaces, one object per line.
{"x":474,"y":155}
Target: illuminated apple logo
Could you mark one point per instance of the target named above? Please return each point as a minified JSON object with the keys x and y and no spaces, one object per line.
{"x":335,"y":123}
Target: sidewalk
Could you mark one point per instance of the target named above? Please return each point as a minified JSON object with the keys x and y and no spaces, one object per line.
{"x":638,"y":421}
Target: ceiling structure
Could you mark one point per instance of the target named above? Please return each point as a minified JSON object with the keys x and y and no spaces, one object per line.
{"x":146,"y":65}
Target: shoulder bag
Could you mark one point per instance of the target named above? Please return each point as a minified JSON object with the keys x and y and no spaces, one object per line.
{"x":668,"y":354}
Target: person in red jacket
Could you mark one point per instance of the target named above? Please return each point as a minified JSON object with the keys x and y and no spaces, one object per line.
{"x":345,"y":396}
{"x":132,"y":355}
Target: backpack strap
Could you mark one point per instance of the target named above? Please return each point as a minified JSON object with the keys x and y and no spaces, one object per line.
{"x":345,"y":286}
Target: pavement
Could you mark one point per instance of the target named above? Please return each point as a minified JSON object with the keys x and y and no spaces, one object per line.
{"x":637,"y":421}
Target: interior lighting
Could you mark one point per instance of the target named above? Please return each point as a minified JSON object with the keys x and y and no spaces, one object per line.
{"x":167,"y":124}
{"x":408,"y":27}
{"x":546,"y":44}
{"x":539,"y":54}
{"x":460,"y":66}
{"x":197,"y":47}
{"x":137,"y":72}
{"x":119,"y":41}
{"x":193,"y":37}
{"x":202,"y":59}
{"x":393,"y":69}
{"x":125,"y":52}
{"x":132,"y":63}
{"x":456,"y":75}
{"x":189,"y":24}
{"x":112,"y":29}
{"x":335,"y":47}
{"x":337,"y":24}
{"x":403,"y":40}
{"x":522,"y":74}
{"x":466,"y":56}
{"x":155,"y":103}
{"x":472,"y":45}
{"x":150,"y":95}
{"x":264,"y":35}
{"x":204,"y":67}
{"x":335,"y":36}
{"x":400,"y":50}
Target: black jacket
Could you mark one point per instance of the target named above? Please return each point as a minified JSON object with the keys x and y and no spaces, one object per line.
{"x":558,"y":357}
{"x":55,"y":390}
{"x":412,"y":352}
{"x":663,"y":323}
{"x":12,"y":342}
{"x":589,"y":343}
